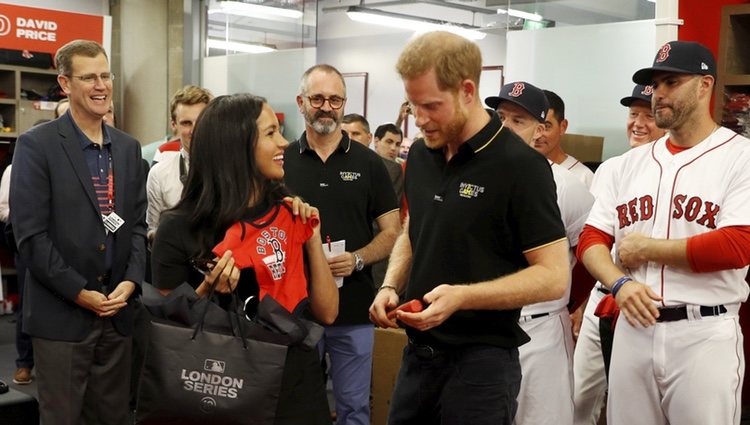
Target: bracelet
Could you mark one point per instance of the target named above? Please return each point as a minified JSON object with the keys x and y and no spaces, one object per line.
{"x":618,"y":284}
{"x":386,"y":286}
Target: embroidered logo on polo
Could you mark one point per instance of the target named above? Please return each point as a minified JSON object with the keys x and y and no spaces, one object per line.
{"x":272,"y":242}
{"x":349,"y":176}
{"x":468,"y":190}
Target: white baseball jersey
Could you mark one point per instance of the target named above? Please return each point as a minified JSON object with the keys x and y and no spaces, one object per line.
{"x":675,"y":196}
{"x":579,"y":169}
{"x":574,"y":201}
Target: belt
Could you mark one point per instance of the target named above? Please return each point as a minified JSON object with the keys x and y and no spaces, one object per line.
{"x":673,"y":314}
{"x":529,"y":317}
{"x":426,"y":352}
{"x":603,"y":290}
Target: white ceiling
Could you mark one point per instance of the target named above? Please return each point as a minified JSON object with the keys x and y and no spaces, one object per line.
{"x":332,"y":22}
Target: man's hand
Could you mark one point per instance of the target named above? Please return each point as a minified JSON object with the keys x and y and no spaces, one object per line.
{"x":118,"y":298}
{"x":441,"y":303}
{"x":636,"y":302}
{"x":385,"y":301}
{"x":342,"y":265}
{"x":631,"y":250}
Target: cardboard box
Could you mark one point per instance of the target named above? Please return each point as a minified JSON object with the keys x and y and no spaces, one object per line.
{"x":584,"y":148}
{"x":386,"y":362}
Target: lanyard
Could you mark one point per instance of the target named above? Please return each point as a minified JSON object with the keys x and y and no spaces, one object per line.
{"x":110,"y":184}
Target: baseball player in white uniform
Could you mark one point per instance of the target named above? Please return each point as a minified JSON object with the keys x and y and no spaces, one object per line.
{"x":545,"y":396}
{"x":549,"y":143}
{"x":590,"y":382}
{"x":680,"y":220}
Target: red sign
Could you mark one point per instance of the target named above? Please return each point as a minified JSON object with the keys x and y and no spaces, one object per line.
{"x":45,"y":31}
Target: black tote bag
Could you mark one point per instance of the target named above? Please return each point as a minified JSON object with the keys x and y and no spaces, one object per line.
{"x":208,"y":373}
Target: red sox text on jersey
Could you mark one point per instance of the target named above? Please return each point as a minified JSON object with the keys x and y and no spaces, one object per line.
{"x":690,"y":208}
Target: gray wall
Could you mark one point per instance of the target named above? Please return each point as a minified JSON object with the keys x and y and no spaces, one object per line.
{"x":590,"y":68}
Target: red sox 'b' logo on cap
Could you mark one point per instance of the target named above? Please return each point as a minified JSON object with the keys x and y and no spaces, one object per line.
{"x":648,"y":91}
{"x":517,"y":89}
{"x":664,"y":53}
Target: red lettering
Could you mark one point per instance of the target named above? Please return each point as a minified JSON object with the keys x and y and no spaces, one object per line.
{"x":622,"y":214}
{"x":709,"y":217}
{"x":678,"y":211}
{"x":647,"y":207}
{"x":692,"y":208}
{"x":632,"y":211}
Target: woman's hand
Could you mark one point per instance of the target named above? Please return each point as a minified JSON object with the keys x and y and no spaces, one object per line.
{"x":224,"y":275}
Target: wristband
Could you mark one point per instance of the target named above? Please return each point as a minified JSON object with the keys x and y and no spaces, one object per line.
{"x":386,"y":286}
{"x":618,"y":284}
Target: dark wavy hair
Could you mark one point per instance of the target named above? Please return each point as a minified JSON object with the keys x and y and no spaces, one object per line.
{"x":223,"y":180}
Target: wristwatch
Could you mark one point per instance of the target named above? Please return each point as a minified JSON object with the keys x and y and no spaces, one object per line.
{"x":359,"y":263}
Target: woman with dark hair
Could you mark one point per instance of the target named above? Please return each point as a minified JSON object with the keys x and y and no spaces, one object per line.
{"x":234,"y":200}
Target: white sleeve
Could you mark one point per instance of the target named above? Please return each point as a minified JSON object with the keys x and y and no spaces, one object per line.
{"x":5,"y":195}
{"x":156,"y":202}
{"x":575,"y":202}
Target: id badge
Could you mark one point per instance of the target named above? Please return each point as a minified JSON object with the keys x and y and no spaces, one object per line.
{"x":112,"y":222}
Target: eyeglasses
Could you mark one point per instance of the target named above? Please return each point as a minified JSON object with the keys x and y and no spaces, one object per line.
{"x":106,"y":77}
{"x":334,"y":101}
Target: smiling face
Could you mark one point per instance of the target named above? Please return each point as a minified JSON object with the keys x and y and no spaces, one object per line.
{"x":269,"y":149}
{"x":185,"y":117}
{"x":323,"y":119}
{"x":641,"y":124}
{"x":89,"y":101}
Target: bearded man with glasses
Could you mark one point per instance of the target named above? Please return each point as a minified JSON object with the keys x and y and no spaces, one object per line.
{"x":350,"y":186}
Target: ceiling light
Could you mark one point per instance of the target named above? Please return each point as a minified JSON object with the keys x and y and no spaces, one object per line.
{"x":214,"y":43}
{"x":408,"y":22}
{"x":521,"y":14}
{"x":254,"y":10}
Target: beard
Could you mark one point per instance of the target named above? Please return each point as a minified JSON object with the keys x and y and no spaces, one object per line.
{"x":679,"y":111}
{"x":313,"y":119}
{"x":452,"y":130}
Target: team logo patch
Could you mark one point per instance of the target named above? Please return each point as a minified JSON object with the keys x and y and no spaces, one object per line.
{"x":517,"y":90}
{"x":704,"y":67}
{"x":663,"y":53}
{"x":468,"y":190}
{"x":349,"y":176}
{"x":271,"y":243}
{"x":648,"y":91}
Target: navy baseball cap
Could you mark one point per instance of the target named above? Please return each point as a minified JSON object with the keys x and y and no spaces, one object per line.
{"x":684,"y":57}
{"x":525,"y":95}
{"x":640,"y":92}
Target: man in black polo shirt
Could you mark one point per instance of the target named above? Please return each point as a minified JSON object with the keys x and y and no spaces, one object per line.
{"x":350,"y":186}
{"x":483,"y":239}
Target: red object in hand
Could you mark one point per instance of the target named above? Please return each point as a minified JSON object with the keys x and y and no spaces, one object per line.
{"x":413,"y":306}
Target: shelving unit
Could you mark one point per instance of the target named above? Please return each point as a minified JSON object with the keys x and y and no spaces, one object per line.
{"x":18,"y":112}
{"x":732,"y":101}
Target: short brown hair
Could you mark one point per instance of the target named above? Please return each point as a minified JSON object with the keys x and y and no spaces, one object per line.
{"x":189,"y":95}
{"x":87,"y":48}
{"x":453,"y":58}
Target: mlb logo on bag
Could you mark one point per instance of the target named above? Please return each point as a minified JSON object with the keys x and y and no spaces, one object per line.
{"x":212,"y":365}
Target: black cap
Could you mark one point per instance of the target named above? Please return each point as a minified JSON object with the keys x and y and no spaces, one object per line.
{"x":525,"y":95}
{"x":640,"y":92}
{"x":684,"y":57}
